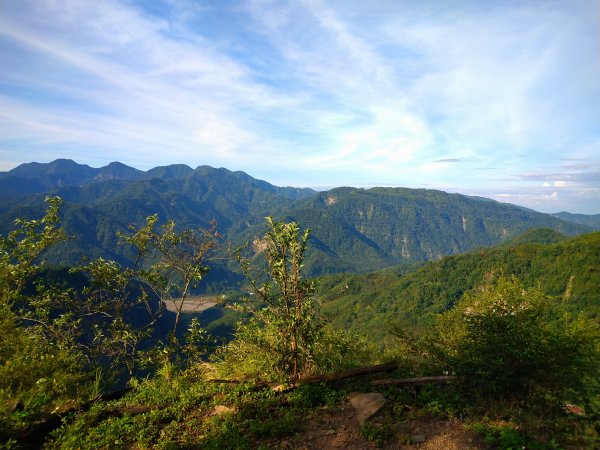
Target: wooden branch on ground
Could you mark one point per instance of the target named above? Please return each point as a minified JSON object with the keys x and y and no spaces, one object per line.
{"x":416,"y":381}
{"x":220,"y":380}
{"x":349,"y":373}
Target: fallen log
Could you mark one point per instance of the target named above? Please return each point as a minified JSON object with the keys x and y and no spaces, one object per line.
{"x":221,"y":380}
{"x":349,"y":373}
{"x":416,"y":381}
{"x":330,"y":377}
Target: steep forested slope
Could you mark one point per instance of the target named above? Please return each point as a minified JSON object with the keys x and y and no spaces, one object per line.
{"x":568,"y":270}
{"x":367,"y":229}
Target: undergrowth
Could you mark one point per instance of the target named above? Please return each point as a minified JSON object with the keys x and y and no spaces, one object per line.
{"x":183,"y":415}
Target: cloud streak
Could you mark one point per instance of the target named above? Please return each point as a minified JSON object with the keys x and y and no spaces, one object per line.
{"x":312,"y":92}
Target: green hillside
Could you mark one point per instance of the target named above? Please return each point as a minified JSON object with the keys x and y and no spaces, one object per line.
{"x":375,"y":228}
{"x":71,"y":339}
{"x":569,"y":271}
{"x":353,"y":230}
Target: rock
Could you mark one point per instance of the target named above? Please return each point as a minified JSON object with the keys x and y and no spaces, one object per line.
{"x":366,"y":405}
{"x":222,"y":409}
{"x":417,"y":439}
{"x":330,"y":432}
{"x":286,"y":445}
{"x":574,"y":409}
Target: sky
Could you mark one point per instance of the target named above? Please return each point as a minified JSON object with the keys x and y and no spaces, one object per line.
{"x":493,"y":98}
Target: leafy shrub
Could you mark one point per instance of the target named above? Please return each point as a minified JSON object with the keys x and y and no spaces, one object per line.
{"x":34,"y":377}
{"x":259,"y":351}
{"x":378,"y":433}
{"x":285,"y":338}
{"x":283,"y":306}
{"x":510,"y":342}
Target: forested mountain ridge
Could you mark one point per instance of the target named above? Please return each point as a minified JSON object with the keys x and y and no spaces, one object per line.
{"x":65,"y":172}
{"x":568,"y":269}
{"x":591,"y":220}
{"x":393,"y":225}
{"x":354,"y":230}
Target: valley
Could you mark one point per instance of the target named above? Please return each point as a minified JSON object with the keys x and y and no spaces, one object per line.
{"x":423,"y":281}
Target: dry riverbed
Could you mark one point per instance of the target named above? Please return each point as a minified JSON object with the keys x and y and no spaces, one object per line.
{"x":194,"y":304}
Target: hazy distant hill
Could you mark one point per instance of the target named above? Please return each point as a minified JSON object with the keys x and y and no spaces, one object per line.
{"x":371,"y":303}
{"x":353,"y":229}
{"x":591,"y":220}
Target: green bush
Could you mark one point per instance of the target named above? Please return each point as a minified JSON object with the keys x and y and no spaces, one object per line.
{"x":511,"y":342}
{"x":35,"y":377}
{"x":260,"y":351}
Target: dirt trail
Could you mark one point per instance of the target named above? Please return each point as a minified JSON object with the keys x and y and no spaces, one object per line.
{"x":339,"y":429}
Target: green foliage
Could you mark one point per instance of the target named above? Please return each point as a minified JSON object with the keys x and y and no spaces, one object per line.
{"x":338,"y":350}
{"x":63,"y":343}
{"x":178,"y":259}
{"x":285,"y":323}
{"x":509,"y":437}
{"x":261,"y":352}
{"x":21,"y":250}
{"x":41,"y":368}
{"x":120,"y":315}
{"x":256,"y":352}
{"x":182,"y":415}
{"x":197,"y":343}
{"x":376,"y":303}
{"x":35,"y":377}
{"x":378,"y":433}
{"x":509,"y":342}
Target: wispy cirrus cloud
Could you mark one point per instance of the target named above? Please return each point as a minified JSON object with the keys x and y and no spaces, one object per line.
{"x":172,"y":97}
{"x":313,"y":92}
{"x":449,"y":160}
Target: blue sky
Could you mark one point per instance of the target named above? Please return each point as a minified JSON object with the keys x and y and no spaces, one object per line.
{"x":492,"y":98}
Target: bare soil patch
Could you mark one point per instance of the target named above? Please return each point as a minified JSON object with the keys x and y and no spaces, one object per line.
{"x":193,"y":304}
{"x":339,"y":428}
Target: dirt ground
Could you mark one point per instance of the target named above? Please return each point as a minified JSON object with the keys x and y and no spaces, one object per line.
{"x":339,"y":429}
{"x":193,"y":304}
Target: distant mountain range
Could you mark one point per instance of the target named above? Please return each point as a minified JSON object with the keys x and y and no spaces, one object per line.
{"x":591,"y":220}
{"x":354,"y":230}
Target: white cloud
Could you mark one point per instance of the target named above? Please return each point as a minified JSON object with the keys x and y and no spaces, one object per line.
{"x":331,"y":91}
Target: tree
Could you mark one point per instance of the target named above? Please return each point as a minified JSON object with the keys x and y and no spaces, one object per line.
{"x":285,"y":323}
{"x":21,"y":250}
{"x":65,"y":333}
{"x":177,"y":259}
{"x":23,"y":292}
{"x":41,"y":365}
